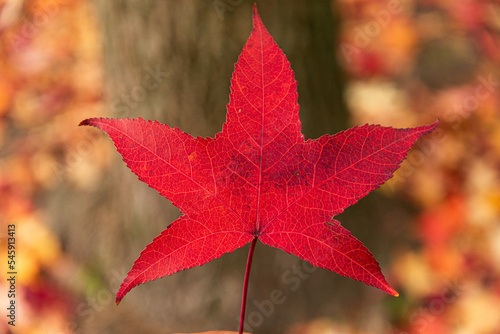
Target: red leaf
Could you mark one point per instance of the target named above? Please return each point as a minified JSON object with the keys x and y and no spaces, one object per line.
{"x":259,"y":177}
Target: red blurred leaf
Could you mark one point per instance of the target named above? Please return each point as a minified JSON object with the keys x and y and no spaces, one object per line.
{"x":437,"y":228}
{"x":259,"y":178}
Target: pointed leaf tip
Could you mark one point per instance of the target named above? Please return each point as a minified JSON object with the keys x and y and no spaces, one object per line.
{"x":390,"y":290}
{"x":255,"y":16}
{"x":90,"y":121}
{"x":435,"y":124}
{"x":84,"y":122}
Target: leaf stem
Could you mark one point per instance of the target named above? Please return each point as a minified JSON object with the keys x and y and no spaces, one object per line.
{"x":245,"y":284}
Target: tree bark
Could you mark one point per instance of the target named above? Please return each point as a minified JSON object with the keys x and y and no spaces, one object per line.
{"x":172,"y":61}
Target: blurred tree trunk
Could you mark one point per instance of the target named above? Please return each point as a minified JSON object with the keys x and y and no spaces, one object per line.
{"x":172,"y":61}
{"x":195,"y":43}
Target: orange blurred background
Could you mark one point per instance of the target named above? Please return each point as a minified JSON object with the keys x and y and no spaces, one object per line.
{"x":407,"y":64}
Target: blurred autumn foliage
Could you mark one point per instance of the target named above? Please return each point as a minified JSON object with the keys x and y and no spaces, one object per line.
{"x":408,"y":63}
{"x":411,"y":62}
{"x":50,"y":75}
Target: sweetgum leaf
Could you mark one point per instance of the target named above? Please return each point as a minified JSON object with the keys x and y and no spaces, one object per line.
{"x":259,"y":178}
